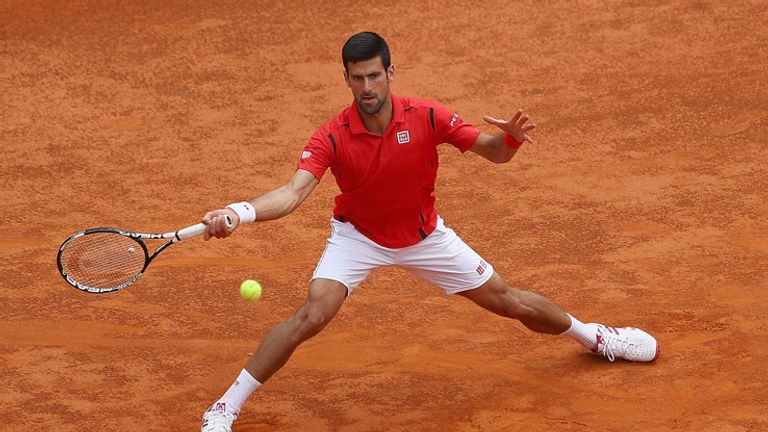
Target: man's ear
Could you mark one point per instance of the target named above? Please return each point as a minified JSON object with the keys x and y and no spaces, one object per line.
{"x":391,"y":73}
{"x":346,"y":77}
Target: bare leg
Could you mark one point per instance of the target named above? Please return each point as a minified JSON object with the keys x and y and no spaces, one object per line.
{"x":533,"y":310}
{"x":324,"y":300}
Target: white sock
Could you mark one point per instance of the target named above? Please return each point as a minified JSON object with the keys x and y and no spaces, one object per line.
{"x":239,"y":391}
{"x":585,"y":334}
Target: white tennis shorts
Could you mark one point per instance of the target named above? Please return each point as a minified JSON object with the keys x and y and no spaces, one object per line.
{"x":442,"y":259}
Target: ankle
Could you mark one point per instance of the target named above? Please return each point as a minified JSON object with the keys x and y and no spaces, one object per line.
{"x":239,"y":391}
{"x":585,"y":334}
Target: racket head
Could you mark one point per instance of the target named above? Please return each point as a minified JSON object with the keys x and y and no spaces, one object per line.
{"x":102,"y":260}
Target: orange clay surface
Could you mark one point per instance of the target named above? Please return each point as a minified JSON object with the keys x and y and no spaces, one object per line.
{"x":642,"y":202}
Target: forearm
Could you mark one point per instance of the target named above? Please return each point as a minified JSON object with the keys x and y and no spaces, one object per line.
{"x":497,"y":150}
{"x":276,"y":203}
{"x":285,"y":199}
{"x":270,"y":205}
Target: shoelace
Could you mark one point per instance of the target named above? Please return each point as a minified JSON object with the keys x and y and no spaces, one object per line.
{"x":220,"y":422}
{"x":614,"y":345}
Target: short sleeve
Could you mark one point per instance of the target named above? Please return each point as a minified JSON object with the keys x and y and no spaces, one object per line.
{"x":317,"y":155}
{"x":450,"y":128}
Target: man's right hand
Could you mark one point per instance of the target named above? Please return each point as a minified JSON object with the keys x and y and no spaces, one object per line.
{"x":216,"y":223}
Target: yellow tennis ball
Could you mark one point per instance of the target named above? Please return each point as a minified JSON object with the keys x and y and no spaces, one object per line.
{"x":250,"y":290}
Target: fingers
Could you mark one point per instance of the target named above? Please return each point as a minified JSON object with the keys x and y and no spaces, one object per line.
{"x":515,"y":127}
{"x":222,"y":229}
{"x":216,"y":225}
{"x":493,"y":121}
{"x":517,"y":119}
{"x":207,"y":220}
{"x":521,"y":128}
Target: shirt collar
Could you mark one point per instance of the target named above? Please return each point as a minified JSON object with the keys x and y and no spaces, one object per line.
{"x":356,"y":121}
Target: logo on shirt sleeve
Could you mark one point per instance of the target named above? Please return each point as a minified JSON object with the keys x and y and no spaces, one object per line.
{"x":305,"y":154}
{"x":403,"y":137}
{"x":453,"y":119}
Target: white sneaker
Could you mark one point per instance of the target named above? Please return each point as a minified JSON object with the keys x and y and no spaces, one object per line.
{"x":217,"y":419}
{"x":627,"y":343}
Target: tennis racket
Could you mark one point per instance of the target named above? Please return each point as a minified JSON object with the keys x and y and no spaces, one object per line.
{"x":102,"y":260}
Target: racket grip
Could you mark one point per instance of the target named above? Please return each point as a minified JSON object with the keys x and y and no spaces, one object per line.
{"x":199,"y":229}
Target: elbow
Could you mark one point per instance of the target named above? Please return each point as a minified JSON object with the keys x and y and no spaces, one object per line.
{"x":502,"y":158}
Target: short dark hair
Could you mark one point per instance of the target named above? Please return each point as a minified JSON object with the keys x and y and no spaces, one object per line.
{"x":365,"y":46}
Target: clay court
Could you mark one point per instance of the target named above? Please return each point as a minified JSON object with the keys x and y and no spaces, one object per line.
{"x":643,"y":202}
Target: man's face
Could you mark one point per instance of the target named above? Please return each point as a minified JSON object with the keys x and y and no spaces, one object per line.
{"x":369,"y":82}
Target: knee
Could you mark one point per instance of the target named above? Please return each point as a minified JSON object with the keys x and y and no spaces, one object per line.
{"x":310,"y":320}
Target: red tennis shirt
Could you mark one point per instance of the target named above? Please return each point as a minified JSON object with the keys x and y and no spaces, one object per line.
{"x":387,"y":183}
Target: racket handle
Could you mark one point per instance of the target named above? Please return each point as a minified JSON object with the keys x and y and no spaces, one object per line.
{"x":198,"y":229}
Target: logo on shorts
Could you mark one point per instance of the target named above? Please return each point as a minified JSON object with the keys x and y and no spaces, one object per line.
{"x":481,"y":268}
{"x":403,"y":137}
{"x":305,"y":154}
{"x":453,"y":119}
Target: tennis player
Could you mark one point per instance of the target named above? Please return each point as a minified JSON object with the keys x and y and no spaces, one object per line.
{"x":382,"y":151}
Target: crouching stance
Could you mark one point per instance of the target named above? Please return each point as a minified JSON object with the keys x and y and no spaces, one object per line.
{"x":382,"y":150}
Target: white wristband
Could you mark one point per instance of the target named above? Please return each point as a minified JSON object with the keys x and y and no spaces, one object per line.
{"x":245,"y":211}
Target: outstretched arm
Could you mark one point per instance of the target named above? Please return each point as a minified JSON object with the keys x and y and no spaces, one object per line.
{"x":493,"y":147}
{"x":270,"y":205}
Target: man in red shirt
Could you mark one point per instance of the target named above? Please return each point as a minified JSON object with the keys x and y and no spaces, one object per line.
{"x":382,"y":151}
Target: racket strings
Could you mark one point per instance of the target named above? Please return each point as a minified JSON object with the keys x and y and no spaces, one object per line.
{"x":102,"y":260}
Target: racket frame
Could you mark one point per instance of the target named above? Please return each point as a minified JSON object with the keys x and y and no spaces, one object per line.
{"x":173,"y":237}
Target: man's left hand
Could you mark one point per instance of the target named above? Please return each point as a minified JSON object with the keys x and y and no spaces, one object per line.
{"x":515,"y":127}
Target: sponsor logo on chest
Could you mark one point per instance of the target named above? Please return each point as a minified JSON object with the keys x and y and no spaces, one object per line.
{"x":403,"y":137}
